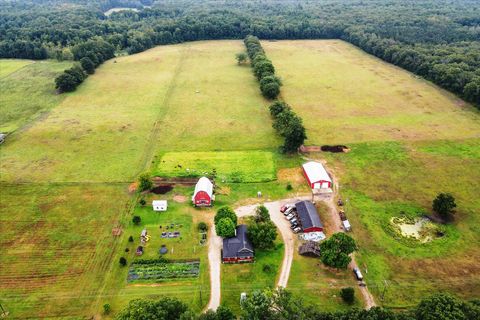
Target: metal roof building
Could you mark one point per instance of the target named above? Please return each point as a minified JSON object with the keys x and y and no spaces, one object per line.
{"x":238,"y":248}
{"x":308,"y":216}
{"x":316,"y":175}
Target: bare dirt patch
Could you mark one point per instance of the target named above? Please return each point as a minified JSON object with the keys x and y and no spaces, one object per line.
{"x":179,"y":198}
{"x":162,"y":189}
{"x":290,"y":175}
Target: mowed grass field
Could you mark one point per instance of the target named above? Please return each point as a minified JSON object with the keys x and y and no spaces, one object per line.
{"x":28,"y":90}
{"x":409,"y":141}
{"x":345,"y":95}
{"x":56,"y":247}
{"x":227,"y":166}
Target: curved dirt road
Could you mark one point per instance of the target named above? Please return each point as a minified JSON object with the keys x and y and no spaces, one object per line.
{"x":214,"y":263}
{"x":284,"y":226}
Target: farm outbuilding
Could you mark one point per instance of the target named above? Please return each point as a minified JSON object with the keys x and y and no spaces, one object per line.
{"x":203,"y":194}
{"x":238,"y":249}
{"x":308,"y":216}
{"x":310,"y":248}
{"x":316,"y":175}
{"x":159,"y":205}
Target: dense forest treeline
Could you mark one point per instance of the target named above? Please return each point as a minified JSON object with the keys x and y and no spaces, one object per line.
{"x":436,"y":39}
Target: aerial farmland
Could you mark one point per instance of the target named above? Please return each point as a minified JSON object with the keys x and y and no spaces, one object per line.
{"x":167,"y":175}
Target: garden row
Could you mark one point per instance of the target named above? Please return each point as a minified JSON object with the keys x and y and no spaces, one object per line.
{"x":287,"y":123}
{"x":90,"y":54}
{"x":161,"y":269}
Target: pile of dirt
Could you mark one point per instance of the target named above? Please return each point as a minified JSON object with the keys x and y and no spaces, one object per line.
{"x":335,"y":149}
{"x":179,"y":198}
{"x":162,"y":189}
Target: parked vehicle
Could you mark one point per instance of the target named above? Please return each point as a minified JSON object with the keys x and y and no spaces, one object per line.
{"x":346,"y":225}
{"x":342,"y":215}
{"x":285,"y":208}
{"x":297,"y":230}
{"x":294,"y":221}
{"x":290,"y":216}
{"x":293,"y":217}
{"x":358,"y":274}
{"x":340,"y":202}
{"x":293,"y":226}
{"x":288,"y":211}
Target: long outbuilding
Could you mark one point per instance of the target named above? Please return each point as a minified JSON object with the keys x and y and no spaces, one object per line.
{"x":308,"y":216}
{"x":203,"y":194}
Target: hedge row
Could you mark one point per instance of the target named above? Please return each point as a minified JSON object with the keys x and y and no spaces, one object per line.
{"x":90,"y":54}
{"x":262,"y":68}
{"x":289,"y":125}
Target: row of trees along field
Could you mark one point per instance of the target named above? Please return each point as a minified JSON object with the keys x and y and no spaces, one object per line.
{"x":436,"y":39}
{"x":281,"y":304}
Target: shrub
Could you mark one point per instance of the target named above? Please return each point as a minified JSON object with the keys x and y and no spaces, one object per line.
{"x":142,"y":202}
{"x":144,"y":182}
{"x":130,"y":239}
{"x":268,"y":268}
{"x":278,"y":107}
{"x":348,"y":295}
{"x":202,"y":226}
{"x":444,"y":204}
{"x":107,"y":308}
{"x":241,"y":57}
{"x":123,"y":261}
{"x":136,"y":220}
{"x":289,"y":186}
{"x":127,"y":250}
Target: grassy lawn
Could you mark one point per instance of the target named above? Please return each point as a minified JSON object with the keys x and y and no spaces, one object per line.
{"x":56,"y":245}
{"x":231,"y":166}
{"x":28,"y":90}
{"x":247,"y":277}
{"x":345,"y":95}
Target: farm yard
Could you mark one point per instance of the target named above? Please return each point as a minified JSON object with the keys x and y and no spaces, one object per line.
{"x":66,"y":211}
{"x":408,"y":141}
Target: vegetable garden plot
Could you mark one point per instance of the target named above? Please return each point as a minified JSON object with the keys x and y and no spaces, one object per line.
{"x":155,"y":270}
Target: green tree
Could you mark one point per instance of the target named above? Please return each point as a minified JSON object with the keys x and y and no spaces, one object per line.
{"x":163,"y":309}
{"x":261,"y":214}
{"x":136,"y":220}
{"x":241,"y":57}
{"x":444,"y":204}
{"x":87,"y":65}
{"x":442,"y":306}
{"x":225,"y":228}
{"x":145,"y":182}
{"x":122,"y":261}
{"x":263,"y":68}
{"x":348,"y":295}
{"x":222,"y":313}
{"x":258,"y":306}
{"x":335,"y":251}
{"x":65,"y":83}
{"x":278,"y":107}
{"x":226,"y":212}
{"x":262,"y":234}
{"x":270,"y":90}
{"x":295,"y":135}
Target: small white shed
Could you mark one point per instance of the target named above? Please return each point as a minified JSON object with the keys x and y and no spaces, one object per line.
{"x":159,"y":205}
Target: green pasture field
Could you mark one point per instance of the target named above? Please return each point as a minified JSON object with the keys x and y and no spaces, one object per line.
{"x":215,"y":104}
{"x":247,"y":277}
{"x":409,"y":141}
{"x":27,"y":90}
{"x":57,"y":245}
{"x":230,"y":166}
{"x":8,"y":66}
{"x":345,"y":95}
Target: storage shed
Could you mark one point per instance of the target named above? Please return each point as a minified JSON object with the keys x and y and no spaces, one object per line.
{"x":203,"y":194}
{"x":308,"y":216}
{"x":238,"y":249}
{"x":316,"y":175}
{"x":159,"y":205}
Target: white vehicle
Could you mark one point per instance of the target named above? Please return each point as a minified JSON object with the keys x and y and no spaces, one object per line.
{"x":294,"y":221}
{"x":290,"y":216}
{"x":289,"y":211}
{"x":297,"y":230}
{"x":358,"y":274}
{"x":346,"y":225}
